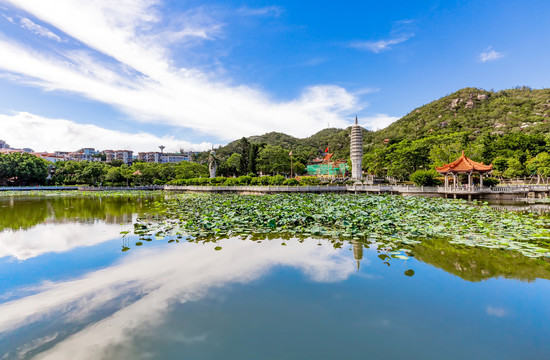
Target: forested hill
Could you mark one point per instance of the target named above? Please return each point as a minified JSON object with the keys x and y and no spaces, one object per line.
{"x":469,"y":111}
{"x":508,"y":128}
{"x":476,"y":112}
{"x":304,"y":149}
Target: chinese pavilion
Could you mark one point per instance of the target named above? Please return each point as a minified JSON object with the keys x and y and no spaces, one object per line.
{"x":464,"y":165}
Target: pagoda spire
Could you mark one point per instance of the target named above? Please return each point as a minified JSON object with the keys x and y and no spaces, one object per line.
{"x":355,"y":119}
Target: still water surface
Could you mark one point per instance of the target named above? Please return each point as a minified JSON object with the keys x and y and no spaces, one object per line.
{"x":67,"y":291}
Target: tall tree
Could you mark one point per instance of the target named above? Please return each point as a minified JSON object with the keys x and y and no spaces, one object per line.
{"x":252,"y":158}
{"x":273,"y":160}
{"x":243,"y":150}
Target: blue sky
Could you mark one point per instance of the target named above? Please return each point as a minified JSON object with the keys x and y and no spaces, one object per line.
{"x":188,"y":74}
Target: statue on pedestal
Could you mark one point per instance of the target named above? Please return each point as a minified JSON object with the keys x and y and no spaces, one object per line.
{"x":213,"y":163}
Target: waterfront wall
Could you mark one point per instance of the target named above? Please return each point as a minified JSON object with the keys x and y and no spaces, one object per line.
{"x":494,"y":193}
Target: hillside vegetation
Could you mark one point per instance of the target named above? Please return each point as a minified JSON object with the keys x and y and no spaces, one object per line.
{"x":476,"y":112}
{"x":508,"y":128}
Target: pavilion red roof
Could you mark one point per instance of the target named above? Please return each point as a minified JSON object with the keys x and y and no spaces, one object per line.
{"x":464,"y":165}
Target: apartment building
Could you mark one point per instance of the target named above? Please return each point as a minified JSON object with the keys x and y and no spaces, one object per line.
{"x":158,"y":157}
{"x":85,"y":154}
{"x":125,"y":155}
{"x":52,"y":157}
{"x":174,"y":157}
{"x":149,"y":156}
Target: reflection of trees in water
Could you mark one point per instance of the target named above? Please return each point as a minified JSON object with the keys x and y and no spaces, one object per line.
{"x":477,"y":264}
{"x":541,"y":209}
{"x":23,"y":213}
{"x":468,"y":263}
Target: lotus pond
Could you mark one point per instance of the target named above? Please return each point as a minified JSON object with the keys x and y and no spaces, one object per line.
{"x":148,"y":275}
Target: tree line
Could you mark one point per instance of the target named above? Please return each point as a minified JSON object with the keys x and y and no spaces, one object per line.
{"x":253,"y":159}
{"x":19,"y":169}
{"x":513,"y":155}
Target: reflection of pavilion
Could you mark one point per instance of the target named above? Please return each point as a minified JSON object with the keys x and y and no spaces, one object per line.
{"x":464,"y":165}
{"x":357,"y":251}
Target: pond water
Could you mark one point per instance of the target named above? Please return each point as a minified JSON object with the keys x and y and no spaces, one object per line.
{"x":67,"y":291}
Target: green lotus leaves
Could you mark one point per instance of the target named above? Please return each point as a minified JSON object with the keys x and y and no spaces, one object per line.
{"x":394,"y":220}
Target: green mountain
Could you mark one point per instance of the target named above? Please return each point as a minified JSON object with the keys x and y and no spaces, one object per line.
{"x":476,"y":112}
{"x":508,"y":127}
{"x":303,"y":149}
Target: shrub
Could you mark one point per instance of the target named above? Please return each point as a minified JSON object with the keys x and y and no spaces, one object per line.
{"x":291,"y":182}
{"x":425,"y":178}
{"x":309,"y":180}
{"x":217,"y":180}
{"x":202,"y":181}
{"x":177,"y":182}
{"x":231,"y":182}
{"x":277,"y":180}
{"x":265,"y":180}
{"x":255,"y":181}
{"x":244,"y":180}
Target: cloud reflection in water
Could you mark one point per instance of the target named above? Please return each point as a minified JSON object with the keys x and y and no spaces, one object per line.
{"x":148,"y":282}
{"x":55,"y":237}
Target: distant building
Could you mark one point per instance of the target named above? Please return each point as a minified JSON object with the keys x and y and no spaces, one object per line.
{"x":174,"y":157}
{"x":152,"y":156}
{"x":85,"y":154}
{"x":327,"y":167}
{"x":89,"y":153}
{"x":5,"y":148}
{"x":126,"y":156}
{"x":158,"y":157}
{"x":11,"y":151}
{"x":50,"y":156}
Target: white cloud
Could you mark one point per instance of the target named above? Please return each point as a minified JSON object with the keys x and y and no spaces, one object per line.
{"x":39,"y":30}
{"x":380,"y":45}
{"x":378,"y":121}
{"x":140,"y":78}
{"x":272,"y":10}
{"x":496,"y":311}
{"x":490,"y":55}
{"x":44,"y":134}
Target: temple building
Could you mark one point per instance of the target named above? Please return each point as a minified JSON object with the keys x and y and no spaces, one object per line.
{"x":464,"y":165}
{"x":356,"y":151}
{"x":326,"y":166}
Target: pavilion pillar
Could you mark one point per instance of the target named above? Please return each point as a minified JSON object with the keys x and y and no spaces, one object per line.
{"x":470,"y":179}
{"x":446,"y":181}
{"x":480,"y":180}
